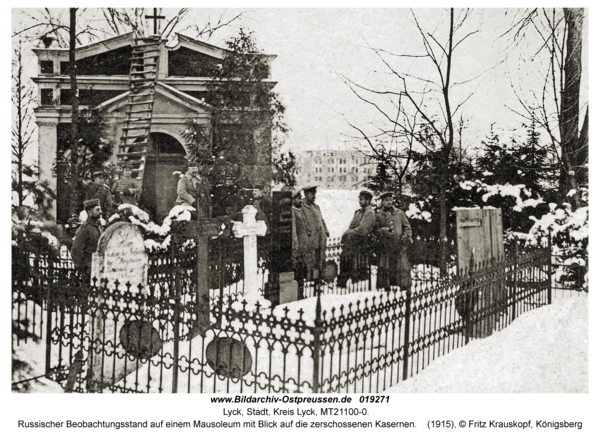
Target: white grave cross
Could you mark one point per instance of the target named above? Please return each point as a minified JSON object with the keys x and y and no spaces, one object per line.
{"x":249,"y":229}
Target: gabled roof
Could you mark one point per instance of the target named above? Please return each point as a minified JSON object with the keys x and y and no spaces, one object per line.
{"x":93,"y":48}
{"x":204,"y":47}
{"x":166,"y":91}
{"x":198,"y":46}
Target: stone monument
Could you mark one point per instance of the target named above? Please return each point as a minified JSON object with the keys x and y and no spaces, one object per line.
{"x":120,"y":256}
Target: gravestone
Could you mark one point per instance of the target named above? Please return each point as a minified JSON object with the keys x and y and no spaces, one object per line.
{"x":248,"y":230}
{"x":120,"y":256}
{"x":479,"y":235}
{"x":281,"y":264}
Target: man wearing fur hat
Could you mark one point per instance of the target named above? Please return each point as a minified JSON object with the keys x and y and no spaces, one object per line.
{"x":86,"y":239}
{"x":126,"y":189}
{"x":393,"y":233}
{"x":191,"y":188}
{"x":354,"y":261}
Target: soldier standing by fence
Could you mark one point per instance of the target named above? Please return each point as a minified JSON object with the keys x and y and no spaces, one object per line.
{"x":86,"y":239}
{"x":317,"y":234}
{"x":299,"y":241}
{"x":393,"y":233}
{"x":354,"y":261}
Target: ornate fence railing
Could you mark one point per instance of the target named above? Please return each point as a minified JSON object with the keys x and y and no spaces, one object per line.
{"x":159,"y":339}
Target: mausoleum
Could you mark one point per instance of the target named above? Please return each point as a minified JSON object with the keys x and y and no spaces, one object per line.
{"x":118,"y":76}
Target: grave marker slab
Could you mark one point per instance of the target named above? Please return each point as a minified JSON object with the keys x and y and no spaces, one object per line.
{"x":120,"y":256}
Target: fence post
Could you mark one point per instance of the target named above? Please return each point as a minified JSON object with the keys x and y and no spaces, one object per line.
{"x":176,"y":330}
{"x":515,"y":268}
{"x":406,"y":333}
{"x":469,"y":298}
{"x":549,"y":267}
{"x":49,"y":311}
{"x":74,"y":369}
{"x":317,"y":339}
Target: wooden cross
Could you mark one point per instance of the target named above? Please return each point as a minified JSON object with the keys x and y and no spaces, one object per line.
{"x":155,"y":18}
{"x":201,"y":231}
{"x":249,"y":229}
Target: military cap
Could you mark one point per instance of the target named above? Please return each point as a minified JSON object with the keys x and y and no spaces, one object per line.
{"x":296,"y":193}
{"x":91,"y":203}
{"x":387,"y":195}
{"x":310,"y":189}
{"x":366,"y":194}
{"x":99,"y":173}
{"x":127,"y":166}
{"x":192,"y":164}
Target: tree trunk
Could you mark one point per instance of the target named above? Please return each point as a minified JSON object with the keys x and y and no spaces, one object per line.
{"x":20,"y":142}
{"x":443,"y":232}
{"x":75,"y":204}
{"x":569,"y":102}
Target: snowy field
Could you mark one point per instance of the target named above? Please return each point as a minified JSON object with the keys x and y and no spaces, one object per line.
{"x":543,"y":351}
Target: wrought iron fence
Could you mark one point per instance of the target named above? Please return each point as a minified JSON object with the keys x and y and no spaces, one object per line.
{"x":120,"y":338}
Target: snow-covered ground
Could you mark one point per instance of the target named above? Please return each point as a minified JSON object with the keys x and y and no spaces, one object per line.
{"x":542,"y":351}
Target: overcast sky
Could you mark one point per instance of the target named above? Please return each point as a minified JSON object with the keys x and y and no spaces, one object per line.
{"x":317,"y":48}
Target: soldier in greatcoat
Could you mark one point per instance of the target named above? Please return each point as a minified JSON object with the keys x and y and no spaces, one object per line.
{"x":394,"y":234}
{"x":317,"y":233}
{"x":86,"y":239}
{"x":98,"y":189}
{"x":126,"y":189}
{"x":299,"y":241}
{"x":354,"y":261}
{"x":193,"y":191}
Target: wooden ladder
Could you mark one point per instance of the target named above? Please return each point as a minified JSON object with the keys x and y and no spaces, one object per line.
{"x":135,"y":137}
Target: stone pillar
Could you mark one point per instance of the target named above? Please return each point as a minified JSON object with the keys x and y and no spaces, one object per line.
{"x":47,"y":154}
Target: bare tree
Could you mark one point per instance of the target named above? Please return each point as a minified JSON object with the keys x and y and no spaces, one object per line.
{"x":423,"y":110}
{"x":82,"y":28}
{"x":22,"y":99}
{"x":557,"y":107}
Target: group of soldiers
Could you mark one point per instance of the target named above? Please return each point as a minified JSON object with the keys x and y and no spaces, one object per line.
{"x":384,"y":232}
{"x":100,"y":200}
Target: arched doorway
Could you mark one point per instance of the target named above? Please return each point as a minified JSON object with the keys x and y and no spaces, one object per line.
{"x":159,"y":192}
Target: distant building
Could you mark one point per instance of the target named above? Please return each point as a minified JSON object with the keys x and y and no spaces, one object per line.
{"x":334,"y":169}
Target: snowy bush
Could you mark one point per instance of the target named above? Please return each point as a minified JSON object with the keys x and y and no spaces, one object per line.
{"x":157,"y":238}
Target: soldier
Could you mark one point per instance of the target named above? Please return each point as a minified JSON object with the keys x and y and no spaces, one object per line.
{"x":354,"y":261}
{"x":86,"y":239}
{"x":99,"y":190}
{"x":299,"y":241}
{"x":126,"y":189}
{"x":191,"y":188}
{"x":263,"y":204}
{"x":317,"y":233}
{"x":393,"y":233}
